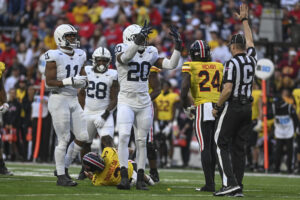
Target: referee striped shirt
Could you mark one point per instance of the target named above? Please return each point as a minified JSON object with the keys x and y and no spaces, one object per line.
{"x":240,"y":71}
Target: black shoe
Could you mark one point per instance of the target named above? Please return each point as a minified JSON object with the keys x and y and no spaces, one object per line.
{"x":124,"y":184}
{"x":154,"y":175}
{"x":81,"y":175}
{"x":206,"y":188}
{"x":4,"y":171}
{"x":66,"y":173}
{"x":227,"y":190}
{"x":63,"y":180}
{"x":238,"y":193}
{"x":140,"y":183}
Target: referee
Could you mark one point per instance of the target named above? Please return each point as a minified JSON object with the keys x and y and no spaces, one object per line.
{"x":233,"y":109}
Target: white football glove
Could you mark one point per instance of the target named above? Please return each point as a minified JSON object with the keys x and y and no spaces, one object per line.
{"x":189,"y":112}
{"x":99,"y":122}
{"x":258,"y":126}
{"x":4,"y":108}
{"x":167,"y":129}
{"x":76,"y":82}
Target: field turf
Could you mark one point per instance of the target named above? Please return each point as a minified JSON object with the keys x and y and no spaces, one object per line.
{"x":36,"y":182}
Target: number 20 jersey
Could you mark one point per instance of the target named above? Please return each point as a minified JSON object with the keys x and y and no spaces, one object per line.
{"x":206,"y":79}
{"x":67,"y":66}
{"x":98,"y":90}
{"x":133,"y":77}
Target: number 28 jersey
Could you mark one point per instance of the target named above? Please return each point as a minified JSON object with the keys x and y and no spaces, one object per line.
{"x":206,"y":79}
{"x":133,"y":77}
{"x":67,"y":66}
{"x":98,"y":90}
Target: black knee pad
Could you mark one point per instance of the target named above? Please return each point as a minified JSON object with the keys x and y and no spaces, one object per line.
{"x":151,"y":151}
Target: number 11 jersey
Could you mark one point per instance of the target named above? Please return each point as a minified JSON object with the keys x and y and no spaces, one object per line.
{"x":206,"y":79}
{"x":133,"y":77}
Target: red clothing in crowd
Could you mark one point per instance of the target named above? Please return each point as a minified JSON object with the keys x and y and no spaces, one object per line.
{"x":290,"y":70}
{"x":7,"y":57}
{"x":296,"y":15}
{"x":257,"y":9}
{"x":155,"y":17}
{"x":113,"y":36}
{"x":86,"y":29}
{"x":208,"y":7}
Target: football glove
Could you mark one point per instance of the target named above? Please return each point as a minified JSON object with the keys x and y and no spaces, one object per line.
{"x":76,"y":82}
{"x":99,"y":122}
{"x":175,"y":34}
{"x":258,"y":126}
{"x":189,"y":111}
{"x":4,"y":108}
{"x":142,"y":36}
{"x":166,"y":131}
{"x":2,"y":68}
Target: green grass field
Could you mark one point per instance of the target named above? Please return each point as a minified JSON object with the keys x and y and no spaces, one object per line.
{"x":36,"y":182}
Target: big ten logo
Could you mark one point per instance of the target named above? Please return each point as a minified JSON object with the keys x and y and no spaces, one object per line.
{"x":264,"y":68}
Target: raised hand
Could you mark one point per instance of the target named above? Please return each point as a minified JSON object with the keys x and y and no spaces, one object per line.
{"x":243,"y":12}
{"x":175,"y":34}
{"x":143,"y":34}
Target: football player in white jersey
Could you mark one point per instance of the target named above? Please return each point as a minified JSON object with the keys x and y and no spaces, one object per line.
{"x":133,"y":61}
{"x":63,"y":77}
{"x":99,"y":99}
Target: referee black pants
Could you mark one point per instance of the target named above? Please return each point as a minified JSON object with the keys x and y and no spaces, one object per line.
{"x":231,"y":134}
{"x":204,"y":131}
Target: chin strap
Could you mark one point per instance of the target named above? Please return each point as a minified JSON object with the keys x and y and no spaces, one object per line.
{"x":66,"y":50}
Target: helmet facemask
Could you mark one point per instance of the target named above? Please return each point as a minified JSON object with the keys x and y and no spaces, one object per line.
{"x":101,"y":64}
{"x":73,"y":44}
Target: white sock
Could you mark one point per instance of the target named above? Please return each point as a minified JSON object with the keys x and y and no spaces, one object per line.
{"x":68,"y":159}
{"x":142,"y":153}
{"x":59,"y":154}
{"x":123,"y":153}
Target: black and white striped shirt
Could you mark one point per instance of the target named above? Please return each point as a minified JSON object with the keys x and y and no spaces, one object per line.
{"x":240,"y":71}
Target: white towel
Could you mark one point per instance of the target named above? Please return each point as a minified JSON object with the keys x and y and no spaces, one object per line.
{"x":207,"y":112}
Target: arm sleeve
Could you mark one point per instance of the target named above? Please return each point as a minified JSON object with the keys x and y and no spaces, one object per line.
{"x":251,"y":52}
{"x":186,"y":68}
{"x":50,"y":56}
{"x":228,"y":72}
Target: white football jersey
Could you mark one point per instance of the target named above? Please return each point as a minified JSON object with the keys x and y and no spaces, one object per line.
{"x":67,"y":66}
{"x":98,"y":90}
{"x":133,"y":77}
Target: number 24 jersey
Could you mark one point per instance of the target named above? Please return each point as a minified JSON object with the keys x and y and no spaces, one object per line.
{"x":206,"y":79}
{"x":133,"y":77}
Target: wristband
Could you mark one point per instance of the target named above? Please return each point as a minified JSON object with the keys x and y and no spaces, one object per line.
{"x":245,"y":18}
{"x":218,"y":108}
{"x":105,"y":114}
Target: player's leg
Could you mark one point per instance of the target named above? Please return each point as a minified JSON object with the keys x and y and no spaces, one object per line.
{"x":3,"y":169}
{"x":289,"y":148}
{"x":106,"y":133}
{"x":143,"y":125}
{"x":125,"y":118}
{"x":59,"y":109}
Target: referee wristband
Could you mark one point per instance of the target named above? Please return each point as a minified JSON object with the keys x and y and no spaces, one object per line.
{"x":245,"y":18}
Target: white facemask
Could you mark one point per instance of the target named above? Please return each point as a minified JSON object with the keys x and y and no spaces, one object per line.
{"x":101,"y":68}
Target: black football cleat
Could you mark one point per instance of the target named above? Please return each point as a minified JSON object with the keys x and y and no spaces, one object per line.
{"x":206,"y":188}
{"x":81,"y":175}
{"x":238,"y":193}
{"x":66,"y":173}
{"x":154,"y":175}
{"x":124,"y":184}
{"x":227,"y":190}
{"x":63,"y":180}
{"x":4,"y":171}
{"x":140,"y":183}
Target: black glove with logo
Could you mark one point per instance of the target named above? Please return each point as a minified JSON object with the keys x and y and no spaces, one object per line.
{"x":143,"y":34}
{"x":175,"y":34}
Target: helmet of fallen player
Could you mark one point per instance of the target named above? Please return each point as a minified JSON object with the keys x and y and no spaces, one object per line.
{"x":200,"y":51}
{"x":63,"y":32}
{"x":130,"y":33}
{"x":101,"y":59}
{"x":93,"y":162}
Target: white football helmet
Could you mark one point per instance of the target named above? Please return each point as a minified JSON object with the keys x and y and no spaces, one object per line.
{"x":130,"y":32}
{"x":60,"y":36}
{"x":101,"y":53}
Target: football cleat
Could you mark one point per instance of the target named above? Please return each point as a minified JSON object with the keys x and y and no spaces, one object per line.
{"x":227,"y":190}
{"x":148,"y":180}
{"x":4,"y":171}
{"x":154,"y":175}
{"x":81,"y":175}
{"x":66,"y":173}
{"x":140,"y":183}
{"x":63,"y":180}
{"x":238,"y":193}
{"x":124,"y":184}
{"x":206,"y":188}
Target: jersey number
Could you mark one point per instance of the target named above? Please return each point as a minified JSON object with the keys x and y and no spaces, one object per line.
{"x":164,"y":105}
{"x":215,"y":82}
{"x":100,"y":90}
{"x":143,"y":69}
{"x":68,"y":68}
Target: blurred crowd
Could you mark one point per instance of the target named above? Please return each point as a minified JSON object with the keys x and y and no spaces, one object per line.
{"x":26,"y":32}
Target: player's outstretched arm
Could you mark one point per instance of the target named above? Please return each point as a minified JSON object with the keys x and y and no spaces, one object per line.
{"x":243,"y":16}
{"x":165,"y":63}
{"x":185,"y":87}
{"x":154,"y":83}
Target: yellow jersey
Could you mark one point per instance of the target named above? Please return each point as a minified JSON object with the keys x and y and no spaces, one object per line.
{"x":206,"y":79}
{"x":296,"y":95}
{"x":153,"y":69}
{"x":256,"y":94}
{"x":111,"y":173}
{"x":164,"y":104}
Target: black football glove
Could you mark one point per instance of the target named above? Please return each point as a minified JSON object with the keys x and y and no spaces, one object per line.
{"x":175,"y":34}
{"x":143,"y":34}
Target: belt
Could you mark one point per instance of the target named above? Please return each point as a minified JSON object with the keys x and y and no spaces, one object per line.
{"x":241,"y":100}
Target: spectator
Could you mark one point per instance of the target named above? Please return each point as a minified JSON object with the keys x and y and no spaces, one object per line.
{"x":79,"y":10}
{"x":111,"y":11}
{"x":8,"y":55}
{"x":221,"y":53}
{"x":86,"y":28}
{"x":94,"y":12}
{"x":113,"y":34}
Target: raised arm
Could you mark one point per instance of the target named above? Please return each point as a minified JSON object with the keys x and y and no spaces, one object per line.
{"x":185,"y":87}
{"x":243,"y":17}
